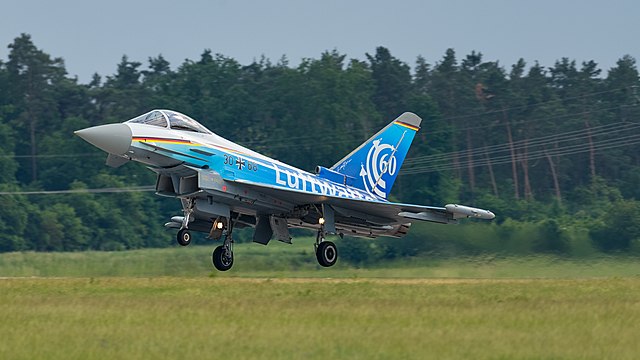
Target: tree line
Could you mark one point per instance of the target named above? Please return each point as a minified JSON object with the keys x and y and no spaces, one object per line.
{"x":530,"y":142}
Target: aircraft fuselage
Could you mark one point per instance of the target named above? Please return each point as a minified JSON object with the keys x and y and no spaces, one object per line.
{"x":223,"y":185}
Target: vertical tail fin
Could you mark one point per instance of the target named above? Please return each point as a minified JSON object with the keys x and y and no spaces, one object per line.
{"x":375,"y":164}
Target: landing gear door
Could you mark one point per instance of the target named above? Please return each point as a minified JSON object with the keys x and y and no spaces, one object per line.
{"x":280,"y":229}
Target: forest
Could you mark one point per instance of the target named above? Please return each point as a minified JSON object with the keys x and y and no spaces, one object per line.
{"x":553,"y":151}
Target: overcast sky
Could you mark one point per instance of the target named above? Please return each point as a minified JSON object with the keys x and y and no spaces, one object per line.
{"x":92,"y":36}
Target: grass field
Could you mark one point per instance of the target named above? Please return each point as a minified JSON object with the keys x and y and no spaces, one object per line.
{"x":180,"y":318}
{"x":281,"y":260}
{"x":168,"y":303}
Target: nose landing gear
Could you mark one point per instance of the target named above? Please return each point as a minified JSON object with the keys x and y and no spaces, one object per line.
{"x":184,"y":235}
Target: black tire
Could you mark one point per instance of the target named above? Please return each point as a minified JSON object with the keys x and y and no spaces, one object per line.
{"x":220,"y":259}
{"x":184,"y":237}
{"x":327,"y":254}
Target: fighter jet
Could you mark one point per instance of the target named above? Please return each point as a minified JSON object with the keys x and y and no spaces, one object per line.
{"x":223,"y":185}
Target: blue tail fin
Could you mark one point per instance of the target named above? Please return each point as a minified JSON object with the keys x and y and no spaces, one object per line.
{"x":375,"y":164}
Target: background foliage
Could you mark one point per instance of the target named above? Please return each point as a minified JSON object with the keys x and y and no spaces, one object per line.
{"x":553,"y":151}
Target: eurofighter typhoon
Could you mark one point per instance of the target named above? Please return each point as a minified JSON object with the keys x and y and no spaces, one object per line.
{"x":223,"y":185}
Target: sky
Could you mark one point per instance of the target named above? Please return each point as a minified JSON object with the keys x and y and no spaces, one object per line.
{"x":92,"y":36}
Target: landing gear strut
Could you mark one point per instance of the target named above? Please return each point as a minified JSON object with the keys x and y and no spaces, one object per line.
{"x":222,"y":256}
{"x":326,"y":251}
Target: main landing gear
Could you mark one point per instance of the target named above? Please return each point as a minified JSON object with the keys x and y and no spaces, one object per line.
{"x":222,"y":256}
{"x":326,"y":251}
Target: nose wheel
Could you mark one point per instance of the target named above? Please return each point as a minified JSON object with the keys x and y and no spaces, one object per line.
{"x":184,"y":237}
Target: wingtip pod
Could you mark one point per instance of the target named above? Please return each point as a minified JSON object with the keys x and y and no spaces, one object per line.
{"x":461,"y":211}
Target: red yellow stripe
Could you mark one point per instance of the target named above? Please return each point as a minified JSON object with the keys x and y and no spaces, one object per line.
{"x":163,"y":140}
{"x":180,"y":141}
{"x":408,"y":126}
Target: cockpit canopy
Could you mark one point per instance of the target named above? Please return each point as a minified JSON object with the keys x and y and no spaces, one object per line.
{"x":171,"y":120}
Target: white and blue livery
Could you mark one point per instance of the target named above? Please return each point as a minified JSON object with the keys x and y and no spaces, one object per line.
{"x":223,"y":185}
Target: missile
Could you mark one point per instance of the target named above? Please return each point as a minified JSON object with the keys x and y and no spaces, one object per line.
{"x":461,"y":211}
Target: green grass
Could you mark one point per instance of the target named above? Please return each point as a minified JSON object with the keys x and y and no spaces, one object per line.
{"x":277,"y":303}
{"x":298,"y":260}
{"x":196,"y":318}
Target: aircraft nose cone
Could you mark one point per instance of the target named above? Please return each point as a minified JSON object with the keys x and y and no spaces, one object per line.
{"x":112,"y":138}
